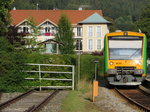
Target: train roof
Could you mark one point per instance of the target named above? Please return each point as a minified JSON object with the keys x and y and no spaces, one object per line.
{"x":129,"y":33}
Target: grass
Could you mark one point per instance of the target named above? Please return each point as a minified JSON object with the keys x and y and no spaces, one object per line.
{"x":80,"y":101}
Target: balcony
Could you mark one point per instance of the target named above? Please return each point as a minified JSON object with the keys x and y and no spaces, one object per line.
{"x":42,"y":37}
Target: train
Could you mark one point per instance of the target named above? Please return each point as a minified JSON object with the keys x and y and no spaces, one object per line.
{"x":125,"y":56}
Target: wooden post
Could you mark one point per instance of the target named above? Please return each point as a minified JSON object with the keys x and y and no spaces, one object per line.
{"x":95,"y":90}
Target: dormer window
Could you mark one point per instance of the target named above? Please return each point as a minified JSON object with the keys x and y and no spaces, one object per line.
{"x":47,"y":29}
{"x":53,"y":28}
{"x":25,"y":30}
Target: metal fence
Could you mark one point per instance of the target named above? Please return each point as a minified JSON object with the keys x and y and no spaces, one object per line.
{"x":41,"y":72}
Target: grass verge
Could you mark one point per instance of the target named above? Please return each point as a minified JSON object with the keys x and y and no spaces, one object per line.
{"x":80,"y":101}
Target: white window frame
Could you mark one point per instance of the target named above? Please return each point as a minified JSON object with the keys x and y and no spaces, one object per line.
{"x":99,"y":31}
{"x":99,"y":44}
{"x":90,"y":31}
{"x":25,"y":29}
{"x":90,"y":44}
{"x":79,"y":31}
{"x":47,"y":29}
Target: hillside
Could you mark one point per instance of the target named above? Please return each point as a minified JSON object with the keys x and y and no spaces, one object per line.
{"x":111,"y":8}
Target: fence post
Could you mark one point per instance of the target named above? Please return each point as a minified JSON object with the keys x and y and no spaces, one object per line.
{"x":72,"y":77}
{"x":40,"y":76}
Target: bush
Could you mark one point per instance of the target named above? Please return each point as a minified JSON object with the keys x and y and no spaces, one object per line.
{"x":88,"y":66}
{"x":50,"y":59}
{"x":87,"y":69}
{"x":96,"y":53}
{"x":11,"y":66}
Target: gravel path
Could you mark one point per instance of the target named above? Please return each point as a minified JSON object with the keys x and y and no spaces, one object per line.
{"x":109,"y":101}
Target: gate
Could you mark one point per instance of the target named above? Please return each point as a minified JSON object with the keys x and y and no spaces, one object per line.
{"x":42,"y":72}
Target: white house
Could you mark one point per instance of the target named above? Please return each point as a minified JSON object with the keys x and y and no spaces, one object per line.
{"x":89,"y":26}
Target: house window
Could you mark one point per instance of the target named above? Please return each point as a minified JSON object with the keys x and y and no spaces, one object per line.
{"x":90,"y":44}
{"x":90,"y":31}
{"x":53,"y":28}
{"x":19,"y":29}
{"x":25,"y":30}
{"x":47,"y":29}
{"x":98,"y":31}
{"x":78,"y":31}
{"x":99,"y":44}
{"x":78,"y":45}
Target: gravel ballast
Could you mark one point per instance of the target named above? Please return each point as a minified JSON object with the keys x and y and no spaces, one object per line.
{"x":110,"y":101}
{"x":7,"y":96}
{"x":106,"y":101}
{"x":54,"y":105}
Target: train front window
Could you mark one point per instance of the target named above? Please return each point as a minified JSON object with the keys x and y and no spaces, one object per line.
{"x":125,"y":49}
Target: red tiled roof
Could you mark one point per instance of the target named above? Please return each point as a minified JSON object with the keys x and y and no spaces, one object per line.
{"x":40,"y":16}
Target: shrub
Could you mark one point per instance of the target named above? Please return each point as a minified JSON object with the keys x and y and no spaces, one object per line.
{"x":11,"y":66}
{"x":87,"y":69}
{"x":88,"y":66}
{"x":96,"y":53}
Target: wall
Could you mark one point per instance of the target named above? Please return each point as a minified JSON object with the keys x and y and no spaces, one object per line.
{"x":104,"y":31}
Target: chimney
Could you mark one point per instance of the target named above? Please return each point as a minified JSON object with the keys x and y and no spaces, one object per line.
{"x":14,"y":8}
{"x":80,"y":8}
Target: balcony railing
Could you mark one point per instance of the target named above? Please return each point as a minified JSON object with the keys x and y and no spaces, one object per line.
{"x":48,"y":34}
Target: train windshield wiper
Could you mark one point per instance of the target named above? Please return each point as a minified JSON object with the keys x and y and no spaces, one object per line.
{"x":137,"y":50}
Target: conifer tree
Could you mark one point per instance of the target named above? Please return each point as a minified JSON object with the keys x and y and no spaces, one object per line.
{"x":4,"y":16}
{"x":65,"y":35}
{"x":144,"y":22}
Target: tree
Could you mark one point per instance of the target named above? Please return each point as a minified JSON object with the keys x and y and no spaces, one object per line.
{"x":21,"y":4}
{"x":111,"y":26}
{"x":32,"y":42}
{"x":4,"y":15}
{"x":65,"y":35}
{"x":11,"y":66}
{"x":144,"y":22}
{"x":125,"y":23}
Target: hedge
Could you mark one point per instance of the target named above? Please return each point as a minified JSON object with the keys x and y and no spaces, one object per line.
{"x":87,"y":69}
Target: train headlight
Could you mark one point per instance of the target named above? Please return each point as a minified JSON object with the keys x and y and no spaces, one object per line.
{"x":112,"y":71}
{"x":138,"y":71}
{"x":111,"y":63}
{"x":138,"y":62}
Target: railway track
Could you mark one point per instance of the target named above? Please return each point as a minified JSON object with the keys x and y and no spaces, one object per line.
{"x":138,"y":97}
{"x":31,"y":101}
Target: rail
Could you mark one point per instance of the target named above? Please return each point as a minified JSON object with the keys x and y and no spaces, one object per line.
{"x":35,"y":108}
{"x":5,"y":104}
{"x":41,"y":72}
{"x":137,"y":97}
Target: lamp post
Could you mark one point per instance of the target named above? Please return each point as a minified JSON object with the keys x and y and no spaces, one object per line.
{"x":96,"y":61}
{"x":79,"y":52}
